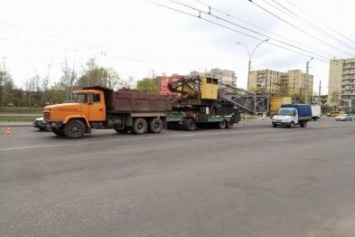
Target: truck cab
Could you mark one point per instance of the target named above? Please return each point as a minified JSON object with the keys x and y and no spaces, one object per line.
{"x":285,"y":117}
{"x":92,"y":103}
{"x":74,"y":118}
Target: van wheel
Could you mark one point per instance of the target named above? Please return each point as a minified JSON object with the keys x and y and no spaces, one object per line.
{"x":155,"y":125}
{"x":139,"y":126}
{"x":74,"y":129}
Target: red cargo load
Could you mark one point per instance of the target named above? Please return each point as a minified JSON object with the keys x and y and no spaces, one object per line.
{"x":164,"y":90}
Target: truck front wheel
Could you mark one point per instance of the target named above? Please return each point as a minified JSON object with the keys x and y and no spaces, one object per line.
{"x":155,"y":125}
{"x":74,"y":129}
{"x":58,"y":132}
{"x":139,"y":126}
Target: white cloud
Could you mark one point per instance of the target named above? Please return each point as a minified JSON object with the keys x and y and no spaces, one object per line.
{"x":136,"y":37}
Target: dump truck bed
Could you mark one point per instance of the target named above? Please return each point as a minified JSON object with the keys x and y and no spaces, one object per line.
{"x":131,"y":101}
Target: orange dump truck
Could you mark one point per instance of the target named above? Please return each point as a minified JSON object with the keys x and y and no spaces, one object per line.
{"x":99,"y":107}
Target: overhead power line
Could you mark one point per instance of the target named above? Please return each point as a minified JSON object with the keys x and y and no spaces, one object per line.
{"x":301,"y":30}
{"x":324,"y":25}
{"x":310,"y":24}
{"x":253,"y":25}
{"x":209,"y":14}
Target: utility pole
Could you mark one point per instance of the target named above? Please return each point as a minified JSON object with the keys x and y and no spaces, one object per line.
{"x":320,"y":86}
{"x":307,"y":82}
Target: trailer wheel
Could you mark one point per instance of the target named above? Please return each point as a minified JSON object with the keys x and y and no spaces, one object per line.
{"x":74,"y":129}
{"x":222,"y":124}
{"x":155,"y":125}
{"x":58,"y":132}
{"x":122,"y":130}
{"x":229,"y":124}
{"x":139,"y":126}
{"x":189,"y":125}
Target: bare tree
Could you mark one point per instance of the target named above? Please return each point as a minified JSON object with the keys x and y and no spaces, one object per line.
{"x":44,"y":85}
{"x":69,"y":77}
{"x":6,"y":84}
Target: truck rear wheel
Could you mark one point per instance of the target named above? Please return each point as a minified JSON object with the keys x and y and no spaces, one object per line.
{"x":139,"y":126}
{"x":189,"y":125}
{"x":122,"y":130}
{"x":229,"y":124}
{"x":222,"y":124}
{"x":155,"y":125}
{"x":303,"y":124}
{"x":74,"y":129}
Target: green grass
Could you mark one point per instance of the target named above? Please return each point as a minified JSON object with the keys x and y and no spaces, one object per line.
{"x":20,"y":114}
{"x":14,"y":118}
{"x":21,"y":110}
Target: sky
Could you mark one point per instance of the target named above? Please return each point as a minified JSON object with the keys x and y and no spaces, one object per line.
{"x":146,"y":38}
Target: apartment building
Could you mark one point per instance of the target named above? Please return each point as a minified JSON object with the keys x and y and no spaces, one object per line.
{"x":292,"y":82}
{"x":226,"y":77}
{"x":341,"y":85}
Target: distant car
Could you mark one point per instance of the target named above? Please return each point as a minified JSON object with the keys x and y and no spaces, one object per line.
{"x":40,"y":124}
{"x":344,"y":117}
{"x":335,"y":113}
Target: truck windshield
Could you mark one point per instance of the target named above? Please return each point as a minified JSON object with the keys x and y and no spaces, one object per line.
{"x":77,"y":98}
{"x":285,"y":112}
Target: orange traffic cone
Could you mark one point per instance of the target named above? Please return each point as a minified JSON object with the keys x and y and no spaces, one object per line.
{"x":8,"y":132}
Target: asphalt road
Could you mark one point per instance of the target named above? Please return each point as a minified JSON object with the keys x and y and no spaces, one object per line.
{"x":252,"y":180}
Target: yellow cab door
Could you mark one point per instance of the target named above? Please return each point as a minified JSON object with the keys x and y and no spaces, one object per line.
{"x":96,"y":107}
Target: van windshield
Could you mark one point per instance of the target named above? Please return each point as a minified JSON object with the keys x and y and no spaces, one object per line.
{"x":77,"y":98}
{"x":285,"y":112}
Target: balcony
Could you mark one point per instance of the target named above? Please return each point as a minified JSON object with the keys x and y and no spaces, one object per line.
{"x":347,"y":92}
{"x":349,"y":78}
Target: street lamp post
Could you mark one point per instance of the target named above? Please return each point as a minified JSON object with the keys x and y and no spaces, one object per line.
{"x":307,"y":82}
{"x":336,"y":94}
{"x":251,"y":54}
